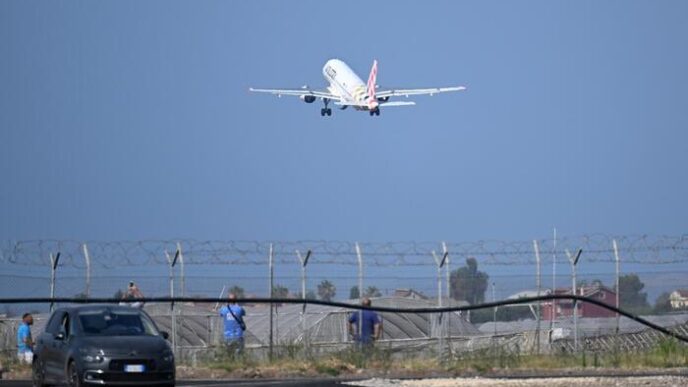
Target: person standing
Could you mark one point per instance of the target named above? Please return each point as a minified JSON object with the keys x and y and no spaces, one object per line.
{"x":233,"y":316}
{"x":24,"y":340}
{"x":371,"y":325}
{"x":132,"y":295}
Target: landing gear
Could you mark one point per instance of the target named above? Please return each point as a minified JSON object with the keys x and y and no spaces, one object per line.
{"x":375,"y":112}
{"x":326,"y":111}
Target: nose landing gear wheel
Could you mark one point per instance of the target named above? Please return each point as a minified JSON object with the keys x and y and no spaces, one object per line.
{"x":325,"y":112}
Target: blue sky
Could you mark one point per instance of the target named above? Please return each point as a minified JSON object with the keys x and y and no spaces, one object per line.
{"x":132,"y":120}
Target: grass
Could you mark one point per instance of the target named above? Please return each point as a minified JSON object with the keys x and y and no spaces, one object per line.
{"x":668,"y":353}
{"x":293,"y":361}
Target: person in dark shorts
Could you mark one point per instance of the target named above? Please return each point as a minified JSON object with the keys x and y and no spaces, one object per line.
{"x":371,"y":325}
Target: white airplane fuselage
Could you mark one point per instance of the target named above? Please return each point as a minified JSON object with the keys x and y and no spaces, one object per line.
{"x":345,"y":83}
{"x":345,"y":88}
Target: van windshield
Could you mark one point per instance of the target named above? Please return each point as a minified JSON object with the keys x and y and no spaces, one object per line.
{"x":105,"y":322}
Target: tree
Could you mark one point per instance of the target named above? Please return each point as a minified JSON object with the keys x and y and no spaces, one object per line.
{"x":354,"y":293}
{"x":584,"y":283}
{"x":81,"y":296}
{"x":238,"y":291}
{"x":310,"y":295}
{"x":663,"y":303}
{"x":631,"y":296}
{"x":468,"y":283}
{"x":279,"y":291}
{"x":372,"y":291}
{"x":326,"y":290}
{"x":8,"y":312}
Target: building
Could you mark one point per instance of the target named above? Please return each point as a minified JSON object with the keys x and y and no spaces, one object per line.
{"x":679,"y":299}
{"x":564,"y":308}
{"x":409,"y":293}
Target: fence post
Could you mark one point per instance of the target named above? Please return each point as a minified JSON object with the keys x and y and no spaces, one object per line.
{"x":303,"y":261}
{"x":87,"y":258}
{"x":54,"y":260}
{"x":359,"y":256}
{"x":445,"y":251}
{"x":270,"y":292}
{"x":553,"y":303}
{"x":173,"y":318}
{"x":617,"y":260}
{"x":182,"y":286}
{"x":438,"y":323}
{"x":536,"y":247}
{"x":574,"y":262}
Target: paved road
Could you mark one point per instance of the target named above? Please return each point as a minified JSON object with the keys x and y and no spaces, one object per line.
{"x":209,"y":383}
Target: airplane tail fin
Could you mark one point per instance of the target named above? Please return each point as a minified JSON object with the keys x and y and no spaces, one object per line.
{"x":372,"y":81}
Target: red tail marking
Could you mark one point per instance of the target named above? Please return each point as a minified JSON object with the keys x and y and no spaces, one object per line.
{"x":372,"y":80}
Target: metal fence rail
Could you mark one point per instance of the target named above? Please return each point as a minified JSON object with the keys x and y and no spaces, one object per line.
{"x":386,"y":271}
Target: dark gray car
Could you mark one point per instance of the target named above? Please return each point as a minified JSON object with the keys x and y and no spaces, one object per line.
{"x":102,"y":344}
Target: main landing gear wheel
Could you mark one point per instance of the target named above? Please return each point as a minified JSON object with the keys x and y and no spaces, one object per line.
{"x":375,"y":112}
{"x":326,"y":111}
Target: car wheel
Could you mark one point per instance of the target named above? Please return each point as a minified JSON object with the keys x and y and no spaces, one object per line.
{"x":38,"y":373}
{"x":73,"y":377}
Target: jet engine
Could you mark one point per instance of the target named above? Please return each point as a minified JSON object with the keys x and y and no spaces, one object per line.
{"x":383,"y":99}
{"x":307,"y":98}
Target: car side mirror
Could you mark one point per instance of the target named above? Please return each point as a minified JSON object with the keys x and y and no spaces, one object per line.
{"x":165,"y":335}
{"x":60,"y":336}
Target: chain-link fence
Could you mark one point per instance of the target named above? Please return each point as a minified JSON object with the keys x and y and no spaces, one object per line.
{"x":650,"y":272}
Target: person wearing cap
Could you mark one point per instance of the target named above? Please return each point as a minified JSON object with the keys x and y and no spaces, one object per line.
{"x":233,"y":316}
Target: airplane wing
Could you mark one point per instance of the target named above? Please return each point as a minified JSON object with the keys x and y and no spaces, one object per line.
{"x":298,"y":93}
{"x":407,"y":92}
{"x":382,"y":104}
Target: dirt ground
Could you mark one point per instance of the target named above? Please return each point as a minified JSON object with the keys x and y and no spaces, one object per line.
{"x":644,"y":381}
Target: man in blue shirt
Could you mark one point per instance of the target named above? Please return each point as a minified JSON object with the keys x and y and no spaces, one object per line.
{"x":371,"y":325}
{"x":233,"y":316}
{"x":24,"y":341}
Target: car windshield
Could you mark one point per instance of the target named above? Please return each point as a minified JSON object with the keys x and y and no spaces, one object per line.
{"x":106,"y":322}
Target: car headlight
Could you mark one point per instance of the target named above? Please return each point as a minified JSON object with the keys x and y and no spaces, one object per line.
{"x":168,"y":356}
{"x":90,"y":355}
{"x":93,"y":359}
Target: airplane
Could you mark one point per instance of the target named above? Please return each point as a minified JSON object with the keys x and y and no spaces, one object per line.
{"x":347,"y":89}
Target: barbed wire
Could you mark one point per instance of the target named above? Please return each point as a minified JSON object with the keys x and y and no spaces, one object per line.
{"x":111,"y":254}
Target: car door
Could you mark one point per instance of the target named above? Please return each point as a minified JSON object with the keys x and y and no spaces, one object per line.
{"x":61,"y":346}
{"x":48,"y":353}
